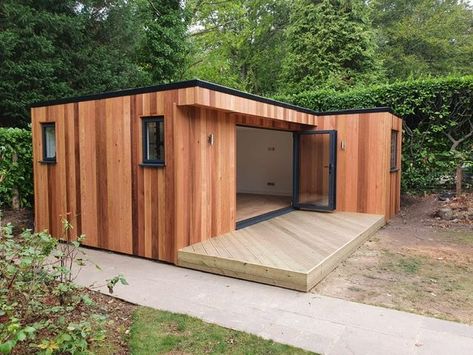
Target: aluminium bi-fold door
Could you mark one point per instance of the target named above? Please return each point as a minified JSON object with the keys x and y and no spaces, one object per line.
{"x":315,"y":170}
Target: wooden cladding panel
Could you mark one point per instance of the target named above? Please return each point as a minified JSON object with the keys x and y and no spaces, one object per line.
{"x":394,"y":205}
{"x":202,"y":97}
{"x":262,"y":122}
{"x":41,"y":187}
{"x":122,"y":206}
{"x":149,"y":185}
{"x":204,"y":174}
{"x":105,"y":156}
{"x":72,"y":167}
{"x":55,"y":184}
{"x":97,"y":180}
{"x":364,"y":181}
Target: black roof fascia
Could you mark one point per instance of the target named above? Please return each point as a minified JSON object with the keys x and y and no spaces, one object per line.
{"x":205,"y":85}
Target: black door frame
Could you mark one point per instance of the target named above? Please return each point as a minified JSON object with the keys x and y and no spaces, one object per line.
{"x":332,"y":193}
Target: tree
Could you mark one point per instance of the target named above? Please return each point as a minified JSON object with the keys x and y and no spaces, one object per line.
{"x":107,"y":57}
{"x":238,"y":43}
{"x":330,"y":44}
{"x":424,"y":37}
{"x":164,"y":46}
{"x":52,"y":49}
{"x":458,"y":128}
{"x":29,"y":54}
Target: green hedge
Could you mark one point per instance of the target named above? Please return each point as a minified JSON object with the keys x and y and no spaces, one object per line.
{"x":17,"y":174}
{"x":430,"y":108}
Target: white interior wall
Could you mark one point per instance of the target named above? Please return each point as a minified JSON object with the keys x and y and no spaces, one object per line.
{"x":264,"y":156}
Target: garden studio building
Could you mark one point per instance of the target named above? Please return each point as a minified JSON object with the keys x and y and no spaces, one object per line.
{"x":215,"y":179}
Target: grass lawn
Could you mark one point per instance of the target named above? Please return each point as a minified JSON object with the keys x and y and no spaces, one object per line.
{"x":158,"y":332}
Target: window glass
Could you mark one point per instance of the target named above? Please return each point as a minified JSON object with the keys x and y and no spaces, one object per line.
{"x":394,"y":150}
{"x":49,"y":134}
{"x":154,"y":140}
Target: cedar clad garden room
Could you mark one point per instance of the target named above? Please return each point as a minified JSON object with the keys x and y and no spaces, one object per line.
{"x":215,"y":179}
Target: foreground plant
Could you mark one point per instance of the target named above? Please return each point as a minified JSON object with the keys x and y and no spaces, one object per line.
{"x":41,"y":308}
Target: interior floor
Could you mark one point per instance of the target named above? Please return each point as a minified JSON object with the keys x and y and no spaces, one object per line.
{"x":252,"y":205}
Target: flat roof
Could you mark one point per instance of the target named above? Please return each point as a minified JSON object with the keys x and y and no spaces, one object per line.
{"x":206,"y":85}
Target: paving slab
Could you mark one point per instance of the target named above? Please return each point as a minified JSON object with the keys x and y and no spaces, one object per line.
{"x":314,"y":322}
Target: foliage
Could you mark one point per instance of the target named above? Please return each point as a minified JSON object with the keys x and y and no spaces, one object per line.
{"x":423,"y":37}
{"x":238,"y":43}
{"x":330,"y":44}
{"x":53,"y":49}
{"x":15,"y":142}
{"x":431,"y":110}
{"x":155,"y":331}
{"x":106,"y":58}
{"x":268,"y":46}
{"x":38,"y":296}
{"x":163,"y":47}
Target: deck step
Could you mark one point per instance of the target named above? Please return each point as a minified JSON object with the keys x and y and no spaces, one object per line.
{"x":295,"y":251}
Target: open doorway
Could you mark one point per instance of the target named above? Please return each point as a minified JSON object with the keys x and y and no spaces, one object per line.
{"x":264,"y":172}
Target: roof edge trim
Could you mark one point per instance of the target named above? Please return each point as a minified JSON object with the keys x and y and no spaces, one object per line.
{"x":206,"y":85}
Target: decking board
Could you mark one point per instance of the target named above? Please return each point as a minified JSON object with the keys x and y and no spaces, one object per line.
{"x":296,"y":250}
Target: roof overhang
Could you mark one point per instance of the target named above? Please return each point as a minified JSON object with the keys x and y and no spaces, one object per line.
{"x":202,"y":93}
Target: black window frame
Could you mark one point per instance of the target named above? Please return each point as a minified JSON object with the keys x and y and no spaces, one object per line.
{"x":393,"y":161}
{"x":144,"y":125}
{"x":45,"y":158}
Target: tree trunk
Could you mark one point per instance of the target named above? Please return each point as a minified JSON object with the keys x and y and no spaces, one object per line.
{"x":459,"y":179}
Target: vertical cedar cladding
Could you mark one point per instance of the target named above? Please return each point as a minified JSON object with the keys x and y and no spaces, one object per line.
{"x":97,"y":181}
{"x":364,"y":180}
{"x":204,"y":174}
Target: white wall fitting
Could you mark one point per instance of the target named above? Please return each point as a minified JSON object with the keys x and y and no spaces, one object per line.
{"x":264,"y":156}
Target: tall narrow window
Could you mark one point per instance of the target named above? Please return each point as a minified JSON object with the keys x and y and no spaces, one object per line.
{"x":153,"y":141}
{"x":49,"y":142}
{"x":394,"y":161}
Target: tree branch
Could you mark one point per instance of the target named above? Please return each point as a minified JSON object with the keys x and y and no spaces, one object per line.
{"x":457,"y":142}
{"x":150,"y":2}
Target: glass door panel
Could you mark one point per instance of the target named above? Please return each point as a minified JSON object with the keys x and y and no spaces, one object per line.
{"x":314,"y":174}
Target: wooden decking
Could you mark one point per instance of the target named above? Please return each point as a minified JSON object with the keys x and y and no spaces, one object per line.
{"x":296,"y":250}
{"x":251,"y":205}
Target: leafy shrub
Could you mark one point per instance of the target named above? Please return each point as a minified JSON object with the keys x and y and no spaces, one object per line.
{"x":41,"y":309}
{"x":431,"y":110}
{"x":16,"y":174}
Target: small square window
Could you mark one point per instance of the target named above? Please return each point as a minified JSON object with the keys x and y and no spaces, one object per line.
{"x":394,"y":162}
{"x":153,"y":141}
{"x":49,"y":142}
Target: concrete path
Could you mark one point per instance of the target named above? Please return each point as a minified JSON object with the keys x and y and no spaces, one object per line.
{"x":313,"y":322}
